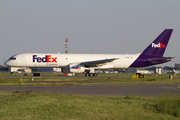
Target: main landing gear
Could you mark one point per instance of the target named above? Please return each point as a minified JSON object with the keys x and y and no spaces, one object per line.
{"x":91,"y":74}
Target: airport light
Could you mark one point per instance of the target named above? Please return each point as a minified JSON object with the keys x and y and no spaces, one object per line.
{"x":66,"y":45}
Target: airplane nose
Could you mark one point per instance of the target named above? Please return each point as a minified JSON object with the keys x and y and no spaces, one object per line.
{"x":6,"y":63}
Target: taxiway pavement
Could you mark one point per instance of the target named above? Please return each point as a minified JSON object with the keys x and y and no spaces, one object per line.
{"x":110,"y":90}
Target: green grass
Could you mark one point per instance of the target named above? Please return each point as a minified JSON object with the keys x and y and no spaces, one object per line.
{"x":31,"y":74}
{"x":168,"y":105}
{"x":55,"y":106}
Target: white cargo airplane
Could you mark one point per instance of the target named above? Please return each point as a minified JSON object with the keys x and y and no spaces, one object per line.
{"x":87,"y":63}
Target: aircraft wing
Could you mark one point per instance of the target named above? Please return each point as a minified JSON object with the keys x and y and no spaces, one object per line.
{"x":97,"y":62}
{"x":160,"y":59}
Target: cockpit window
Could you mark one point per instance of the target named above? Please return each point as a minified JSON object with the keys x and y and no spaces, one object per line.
{"x":12,"y":58}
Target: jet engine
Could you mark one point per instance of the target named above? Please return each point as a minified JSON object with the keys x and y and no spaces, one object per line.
{"x":76,"y":68}
{"x":73,"y":68}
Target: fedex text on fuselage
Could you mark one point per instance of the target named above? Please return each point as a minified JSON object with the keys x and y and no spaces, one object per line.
{"x":47,"y":58}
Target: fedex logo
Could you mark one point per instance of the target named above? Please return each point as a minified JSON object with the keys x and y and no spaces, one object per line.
{"x":160,"y":45}
{"x":47,"y":58}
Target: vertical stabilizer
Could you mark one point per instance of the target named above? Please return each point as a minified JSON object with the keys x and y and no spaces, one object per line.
{"x":158,"y":46}
{"x":153,"y":54}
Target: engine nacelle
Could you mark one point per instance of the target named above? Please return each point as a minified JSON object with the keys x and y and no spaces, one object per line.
{"x":76,"y":68}
{"x":65,"y":69}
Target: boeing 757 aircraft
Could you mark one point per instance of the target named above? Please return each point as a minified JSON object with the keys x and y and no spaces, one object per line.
{"x":87,"y":63}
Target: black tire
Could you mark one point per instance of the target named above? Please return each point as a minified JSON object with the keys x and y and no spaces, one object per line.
{"x":95,"y":74}
{"x":86,"y":74}
{"x":90,"y":74}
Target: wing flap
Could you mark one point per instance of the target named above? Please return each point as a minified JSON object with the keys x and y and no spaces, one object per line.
{"x":97,"y":62}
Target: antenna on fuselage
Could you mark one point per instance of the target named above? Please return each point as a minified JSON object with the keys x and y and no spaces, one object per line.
{"x":66,"y":45}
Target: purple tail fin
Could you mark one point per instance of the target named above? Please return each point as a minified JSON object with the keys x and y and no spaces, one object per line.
{"x":153,"y":54}
{"x":158,"y":46}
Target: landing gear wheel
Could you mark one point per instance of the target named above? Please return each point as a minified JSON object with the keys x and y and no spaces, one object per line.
{"x":90,"y":74}
{"x":95,"y":74}
{"x":86,"y":74}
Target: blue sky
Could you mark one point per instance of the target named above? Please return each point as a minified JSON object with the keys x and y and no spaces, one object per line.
{"x":92,"y":26}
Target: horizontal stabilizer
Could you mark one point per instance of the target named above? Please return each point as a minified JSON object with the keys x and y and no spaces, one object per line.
{"x":160,"y":59}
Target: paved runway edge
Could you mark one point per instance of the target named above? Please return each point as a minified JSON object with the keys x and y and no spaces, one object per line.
{"x":110,"y":90}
